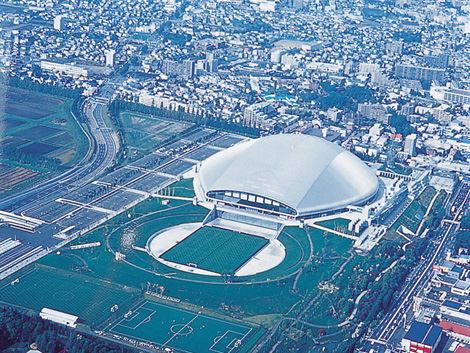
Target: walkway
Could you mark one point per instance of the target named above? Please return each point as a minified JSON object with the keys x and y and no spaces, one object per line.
{"x":349,"y":236}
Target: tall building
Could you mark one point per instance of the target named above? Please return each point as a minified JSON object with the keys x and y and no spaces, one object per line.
{"x":170,"y":6}
{"x":59,"y":23}
{"x":374,"y":111}
{"x":440,"y":61}
{"x":181,"y":69}
{"x":407,"y":109}
{"x":410,"y":145}
{"x":188,"y":68}
{"x":256,"y":114}
{"x":110,"y":57}
{"x":210,"y":63}
{"x":334,"y":114}
{"x":414,"y":72}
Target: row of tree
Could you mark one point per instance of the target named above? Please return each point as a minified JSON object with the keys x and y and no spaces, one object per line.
{"x":118,"y":106}
{"x":26,"y":83}
{"x":368,"y":274}
{"x":19,"y":329}
{"x":36,"y":161}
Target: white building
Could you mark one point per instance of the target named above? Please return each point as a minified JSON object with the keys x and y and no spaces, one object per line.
{"x":59,"y":23}
{"x":453,"y":95}
{"x":110,"y":57}
{"x":59,"y":317}
{"x":287,"y":176}
{"x":410,"y":145}
{"x":67,"y":69}
{"x":170,"y":6}
{"x":267,"y":6}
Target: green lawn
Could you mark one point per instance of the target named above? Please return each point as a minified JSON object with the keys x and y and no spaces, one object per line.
{"x":415,"y":212}
{"x":426,"y":196}
{"x":338,"y":224}
{"x":183,"y":188}
{"x":39,"y":117}
{"x":83,"y":296}
{"x":143,"y":132}
{"x":268,"y":294}
{"x":215,"y":249}
{"x":243,"y":300}
{"x":182,"y":329}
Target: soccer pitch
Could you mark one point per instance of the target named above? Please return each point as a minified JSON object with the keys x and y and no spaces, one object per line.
{"x":83,"y":296}
{"x":215,"y":249}
{"x":185,"y":331}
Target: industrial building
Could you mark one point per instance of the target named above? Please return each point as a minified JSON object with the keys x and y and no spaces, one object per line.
{"x":421,"y":338}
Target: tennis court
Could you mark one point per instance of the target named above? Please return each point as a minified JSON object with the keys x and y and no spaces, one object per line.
{"x":184,"y":330}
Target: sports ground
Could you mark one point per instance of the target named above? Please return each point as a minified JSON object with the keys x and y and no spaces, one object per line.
{"x":241,"y":296}
{"x":88,"y":282}
{"x":88,"y":298}
{"x":215,"y":249}
{"x":186,"y":331}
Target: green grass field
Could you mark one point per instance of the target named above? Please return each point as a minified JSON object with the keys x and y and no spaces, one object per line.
{"x":217,"y":250}
{"x":261,"y":298}
{"x":42,"y":118}
{"x":426,"y":196}
{"x":338,"y":224}
{"x":85,"y":297}
{"x":183,"y":188}
{"x":413,"y":215}
{"x":329,"y":253}
{"x":143,"y":132}
{"x":150,"y":217}
{"x":185,"y":330}
{"x":38,"y":132}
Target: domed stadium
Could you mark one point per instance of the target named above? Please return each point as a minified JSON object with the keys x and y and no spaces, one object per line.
{"x":290,"y":176}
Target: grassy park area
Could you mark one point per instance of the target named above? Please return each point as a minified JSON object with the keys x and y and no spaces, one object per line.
{"x":86,"y":297}
{"x":245,"y":301}
{"x":415,"y":213}
{"x":313,"y":257}
{"x":185,"y":330}
{"x":142,"y":133}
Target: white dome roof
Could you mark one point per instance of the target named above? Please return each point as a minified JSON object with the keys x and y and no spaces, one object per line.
{"x":307,"y":173}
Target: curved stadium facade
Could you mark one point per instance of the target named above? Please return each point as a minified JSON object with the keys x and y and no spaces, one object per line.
{"x":288,"y":176}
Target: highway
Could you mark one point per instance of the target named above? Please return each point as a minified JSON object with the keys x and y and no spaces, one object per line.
{"x":104,"y":146}
{"x":420,"y":276}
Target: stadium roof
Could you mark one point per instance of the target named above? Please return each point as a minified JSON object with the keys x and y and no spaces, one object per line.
{"x":307,"y":173}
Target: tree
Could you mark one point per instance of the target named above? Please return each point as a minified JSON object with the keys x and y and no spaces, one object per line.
{"x":401,"y":125}
{"x":20,"y":329}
